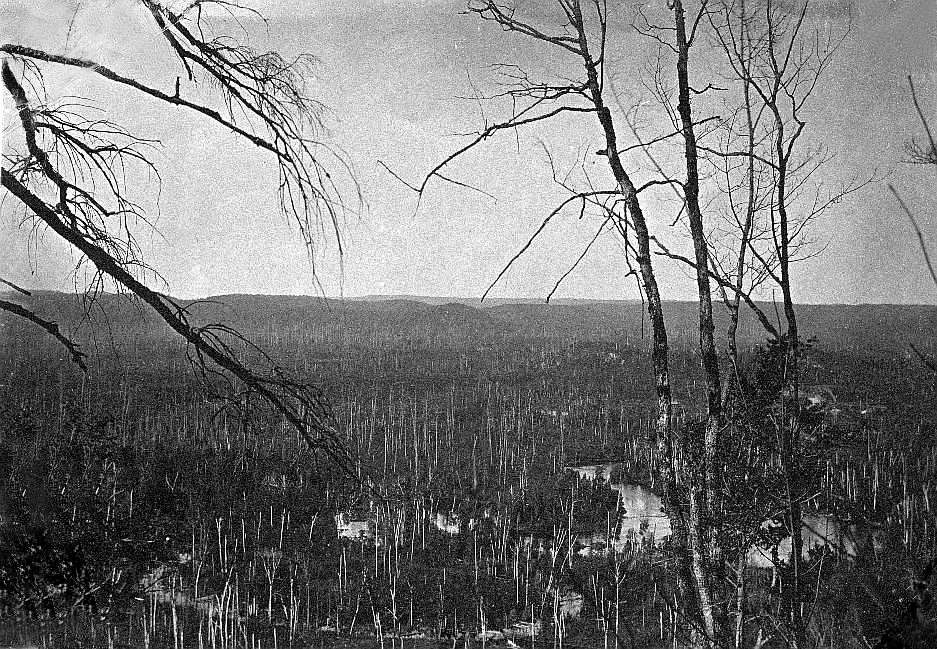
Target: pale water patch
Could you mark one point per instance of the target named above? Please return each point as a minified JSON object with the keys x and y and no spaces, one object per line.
{"x":598,"y":471}
{"x":352,"y":528}
{"x":448,"y":523}
{"x":819,"y":532}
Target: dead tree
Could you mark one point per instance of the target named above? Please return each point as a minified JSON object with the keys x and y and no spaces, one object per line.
{"x":678,"y":34}
{"x":778,"y":53}
{"x":746,"y":188}
{"x":70,"y":172}
{"x":765,"y":176}
{"x":919,"y":154}
{"x":580,"y":33}
{"x":702,"y":516}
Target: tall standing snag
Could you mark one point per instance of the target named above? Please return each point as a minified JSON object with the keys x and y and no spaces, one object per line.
{"x":581,"y":33}
{"x":701,"y":532}
{"x":583,"y":36}
{"x":779,"y":52}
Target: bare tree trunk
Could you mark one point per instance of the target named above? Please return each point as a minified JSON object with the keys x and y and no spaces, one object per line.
{"x":710,"y":356}
{"x":574,"y":39}
{"x":686,"y":532}
{"x":780,"y":69}
{"x":732,"y":331}
{"x":702,"y":514}
{"x":790,"y":434}
{"x":740,"y":601}
{"x":659,"y":353}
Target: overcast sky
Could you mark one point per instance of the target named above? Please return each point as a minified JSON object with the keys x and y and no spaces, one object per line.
{"x":392,"y":73}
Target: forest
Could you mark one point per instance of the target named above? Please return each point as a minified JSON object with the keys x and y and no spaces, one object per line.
{"x":145,"y":511}
{"x":734,"y":468}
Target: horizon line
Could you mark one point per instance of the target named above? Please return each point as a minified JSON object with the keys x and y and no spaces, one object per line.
{"x":455,"y":299}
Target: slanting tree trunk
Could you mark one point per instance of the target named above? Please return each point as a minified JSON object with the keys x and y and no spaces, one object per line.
{"x":660,"y":351}
{"x":72,"y":171}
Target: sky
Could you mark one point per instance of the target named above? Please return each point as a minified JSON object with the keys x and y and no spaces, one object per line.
{"x":399,"y":77}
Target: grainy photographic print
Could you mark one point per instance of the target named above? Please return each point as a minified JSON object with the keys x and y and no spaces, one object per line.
{"x":468,"y":323}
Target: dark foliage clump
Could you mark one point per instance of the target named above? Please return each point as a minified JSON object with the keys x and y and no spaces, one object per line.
{"x":71,"y":533}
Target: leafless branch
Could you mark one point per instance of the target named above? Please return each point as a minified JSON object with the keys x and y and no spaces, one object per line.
{"x":917,"y":231}
{"x":16,"y":288}
{"x":917,"y":153}
{"x":505,"y":16}
{"x":78,"y":357}
{"x":581,"y":197}
{"x":579,"y":259}
{"x":519,"y":120}
{"x":722,"y":281}
{"x":71,"y":177}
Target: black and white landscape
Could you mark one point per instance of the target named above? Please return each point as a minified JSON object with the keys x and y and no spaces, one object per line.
{"x":440,"y":323}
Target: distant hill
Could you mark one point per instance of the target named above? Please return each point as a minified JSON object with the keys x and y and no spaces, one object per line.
{"x":488,"y":301}
{"x":860,"y":329}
